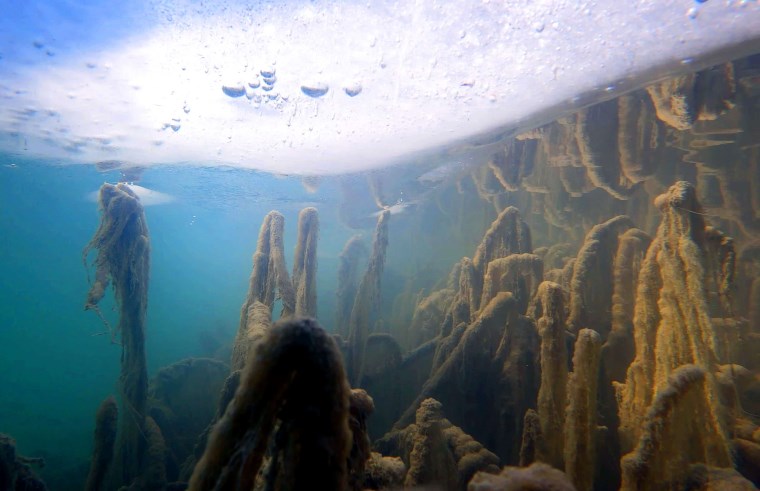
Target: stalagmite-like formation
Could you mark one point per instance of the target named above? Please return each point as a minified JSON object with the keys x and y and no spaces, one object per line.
{"x":581,"y":413}
{"x":15,"y":471}
{"x":507,"y":235}
{"x":367,"y":300}
{"x":305,"y":263}
{"x":493,"y":363}
{"x":106,"y":421}
{"x":384,"y":472}
{"x":269,"y":278}
{"x":361,"y":407}
{"x":258,"y":320}
{"x":428,"y":316}
{"x":548,"y":308}
{"x":182,"y":400}
{"x":674,"y":435}
{"x":123,"y":259}
{"x":270,"y":281}
{"x":354,"y":252}
{"x":590,"y":292}
{"x":465,"y":305}
{"x":436,"y":452}
{"x":618,"y":349}
{"x":671,"y":411}
{"x":153,"y":477}
{"x":532,"y":438}
{"x":386,"y":380}
{"x":293,"y":403}
{"x":516,"y":273}
{"x":672,"y":325}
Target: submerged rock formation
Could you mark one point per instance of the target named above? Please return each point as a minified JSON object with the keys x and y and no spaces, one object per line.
{"x":494,"y":364}
{"x":106,"y":424}
{"x":548,"y":308}
{"x":348,"y":277}
{"x":537,"y":477}
{"x":270,"y":280}
{"x":676,"y":356}
{"x":674,"y":436}
{"x":305,"y":263}
{"x":581,"y":413}
{"x":182,"y":400}
{"x":293,"y":405}
{"x":436,"y":452}
{"x":15,"y":471}
{"x":367,"y":301}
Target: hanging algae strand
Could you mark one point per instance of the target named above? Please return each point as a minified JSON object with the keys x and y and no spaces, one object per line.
{"x":123,"y":260}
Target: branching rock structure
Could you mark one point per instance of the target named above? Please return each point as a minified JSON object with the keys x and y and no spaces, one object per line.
{"x":258,"y":320}
{"x":270,"y":280}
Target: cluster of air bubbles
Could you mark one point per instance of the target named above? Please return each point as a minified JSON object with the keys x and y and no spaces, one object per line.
{"x":175,"y":124}
{"x":259,"y":89}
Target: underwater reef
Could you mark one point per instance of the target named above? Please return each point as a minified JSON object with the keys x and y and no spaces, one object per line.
{"x":601,"y":331}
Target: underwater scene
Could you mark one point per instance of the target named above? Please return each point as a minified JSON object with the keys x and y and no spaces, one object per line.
{"x":572,"y":305}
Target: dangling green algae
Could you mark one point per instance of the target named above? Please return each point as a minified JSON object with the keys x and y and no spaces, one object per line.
{"x":123,"y":260}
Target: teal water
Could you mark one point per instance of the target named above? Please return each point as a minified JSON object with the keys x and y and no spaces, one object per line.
{"x":56,"y":361}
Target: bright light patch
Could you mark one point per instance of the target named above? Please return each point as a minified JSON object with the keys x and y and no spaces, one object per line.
{"x":330,"y":86}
